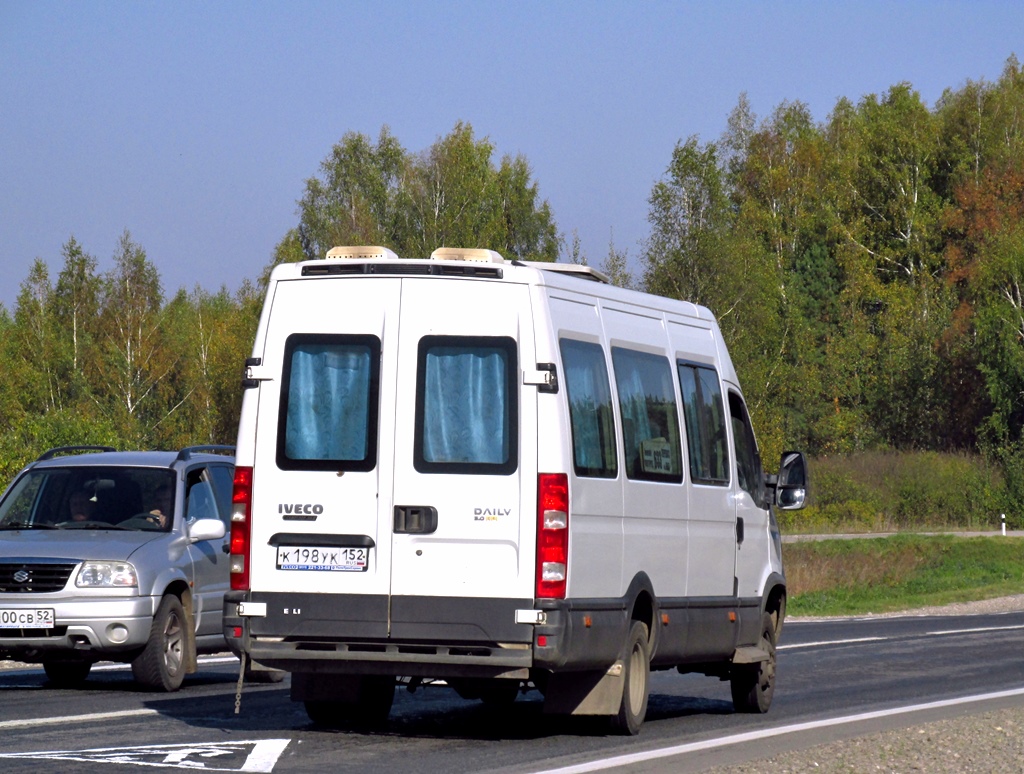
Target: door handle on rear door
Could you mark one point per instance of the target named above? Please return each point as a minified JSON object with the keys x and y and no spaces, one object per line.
{"x":415,"y":519}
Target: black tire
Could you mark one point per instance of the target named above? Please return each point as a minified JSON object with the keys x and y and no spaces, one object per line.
{"x":494,"y":692}
{"x":499,"y":693}
{"x":753,"y":685}
{"x":162,"y":663}
{"x":67,"y":674}
{"x":263,"y":676}
{"x":370,"y":710}
{"x":636,"y":673}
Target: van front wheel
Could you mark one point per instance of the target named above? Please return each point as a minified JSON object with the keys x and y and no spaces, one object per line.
{"x":636,"y":674}
{"x":753,"y":685}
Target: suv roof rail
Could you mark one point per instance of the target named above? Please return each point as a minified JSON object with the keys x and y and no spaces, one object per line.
{"x":58,"y":450}
{"x":188,"y":451}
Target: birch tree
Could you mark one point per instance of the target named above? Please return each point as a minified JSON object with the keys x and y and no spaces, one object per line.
{"x":135,"y":356}
{"x":76,"y":302}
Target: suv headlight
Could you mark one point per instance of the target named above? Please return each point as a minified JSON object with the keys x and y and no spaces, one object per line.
{"x":107,"y":575}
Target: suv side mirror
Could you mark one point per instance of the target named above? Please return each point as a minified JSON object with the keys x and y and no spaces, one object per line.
{"x":206,"y":529}
{"x":791,"y":486}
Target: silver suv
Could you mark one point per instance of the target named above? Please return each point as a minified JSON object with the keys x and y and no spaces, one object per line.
{"x":121,"y":556}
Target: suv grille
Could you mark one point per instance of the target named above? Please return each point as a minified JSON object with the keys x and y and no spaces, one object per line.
{"x":34,"y":578}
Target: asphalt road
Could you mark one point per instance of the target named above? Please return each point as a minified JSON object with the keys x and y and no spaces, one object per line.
{"x":869,"y":670}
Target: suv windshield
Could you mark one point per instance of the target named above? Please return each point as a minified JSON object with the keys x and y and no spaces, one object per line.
{"x":93,"y":497}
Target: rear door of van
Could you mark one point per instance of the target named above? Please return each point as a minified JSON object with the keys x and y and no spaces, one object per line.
{"x":388,"y":490}
{"x":321,"y":537}
{"x":464,"y":462}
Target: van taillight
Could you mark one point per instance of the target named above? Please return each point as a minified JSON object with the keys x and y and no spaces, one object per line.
{"x":241,"y":511}
{"x":552,"y":534}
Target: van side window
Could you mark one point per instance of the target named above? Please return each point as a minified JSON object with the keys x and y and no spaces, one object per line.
{"x":748,"y":461}
{"x":328,"y":415}
{"x":650,"y":422}
{"x":590,"y":409}
{"x":705,"y":424}
{"x":467,"y":405}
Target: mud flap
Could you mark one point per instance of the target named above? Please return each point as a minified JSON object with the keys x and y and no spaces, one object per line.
{"x":585,"y":693}
{"x":750,"y":655}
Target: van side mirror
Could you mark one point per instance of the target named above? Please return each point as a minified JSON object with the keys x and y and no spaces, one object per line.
{"x":791,"y":485}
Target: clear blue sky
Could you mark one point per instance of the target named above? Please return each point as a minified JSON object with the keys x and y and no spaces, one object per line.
{"x":194,"y":125}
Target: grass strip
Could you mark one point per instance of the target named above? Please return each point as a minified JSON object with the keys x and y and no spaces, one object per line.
{"x":900,"y":572}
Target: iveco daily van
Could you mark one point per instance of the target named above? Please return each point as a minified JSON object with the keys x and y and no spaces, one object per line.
{"x":498,"y":475}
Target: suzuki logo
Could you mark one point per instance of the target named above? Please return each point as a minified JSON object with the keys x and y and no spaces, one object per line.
{"x":21,"y":576}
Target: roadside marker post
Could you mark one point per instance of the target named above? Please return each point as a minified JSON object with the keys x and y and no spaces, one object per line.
{"x":1003,"y":517}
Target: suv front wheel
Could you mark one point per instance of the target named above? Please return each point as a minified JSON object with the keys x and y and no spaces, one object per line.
{"x":161,"y":664}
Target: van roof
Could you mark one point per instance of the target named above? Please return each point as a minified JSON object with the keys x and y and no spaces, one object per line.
{"x":466,"y":263}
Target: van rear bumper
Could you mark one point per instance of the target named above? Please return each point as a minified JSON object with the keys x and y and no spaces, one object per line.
{"x":425,"y":636}
{"x":429,"y":636}
{"x":408,"y":659}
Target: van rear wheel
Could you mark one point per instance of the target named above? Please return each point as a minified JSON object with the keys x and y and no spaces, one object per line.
{"x":374,"y":697}
{"x":499,"y":693}
{"x":271,"y":676}
{"x":753,"y":685}
{"x":636,"y":673}
{"x":493,"y":691}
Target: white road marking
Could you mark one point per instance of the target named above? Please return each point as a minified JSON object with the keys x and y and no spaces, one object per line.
{"x":797,"y":645}
{"x":260,"y":755}
{"x":941,"y":633}
{"x":752,"y":736}
{"x":13,"y":667}
{"x":974,"y":631}
{"x":202,"y":660}
{"x":90,"y":718}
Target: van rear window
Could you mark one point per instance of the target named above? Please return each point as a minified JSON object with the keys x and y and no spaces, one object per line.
{"x":467,"y":414}
{"x":329,"y":398}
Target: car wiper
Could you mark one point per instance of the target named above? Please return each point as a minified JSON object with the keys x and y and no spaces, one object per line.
{"x":27,"y":525}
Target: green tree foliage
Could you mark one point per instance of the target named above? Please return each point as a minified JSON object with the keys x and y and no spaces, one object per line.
{"x":34,"y":329}
{"x":107,"y":359}
{"x":867,"y":272}
{"x":75,"y":306}
{"x":700,"y":250}
{"x":615,"y":265}
{"x":894,"y":209}
{"x":356,"y":202}
{"x":134,"y":356}
{"x":452,"y":194}
{"x":687,"y":255}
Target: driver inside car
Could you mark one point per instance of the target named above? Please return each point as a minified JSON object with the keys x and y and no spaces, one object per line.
{"x":160,"y":511}
{"x":80,"y":506}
